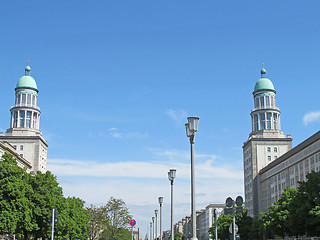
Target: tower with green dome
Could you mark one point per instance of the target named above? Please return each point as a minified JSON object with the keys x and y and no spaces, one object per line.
{"x":265,"y":115}
{"x":24,"y":133}
{"x":266,"y":141}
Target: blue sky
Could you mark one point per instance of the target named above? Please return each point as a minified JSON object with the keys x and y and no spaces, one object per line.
{"x":118,"y":79}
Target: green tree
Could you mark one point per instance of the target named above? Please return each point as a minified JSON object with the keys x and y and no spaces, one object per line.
{"x":304,"y":215}
{"x":47,"y":195}
{"x":73,"y":220}
{"x":117,"y":216}
{"x":223,"y":224}
{"x":97,"y":222}
{"x":275,"y":220}
{"x":15,"y":206}
{"x":224,"y":221}
{"x":257,"y":229}
{"x":178,"y":236}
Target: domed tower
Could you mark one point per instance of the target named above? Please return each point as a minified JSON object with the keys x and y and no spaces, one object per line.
{"x":265,"y":115}
{"x":24,"y":133}
{"x":266,"y":141}
{"x":25,"y":115}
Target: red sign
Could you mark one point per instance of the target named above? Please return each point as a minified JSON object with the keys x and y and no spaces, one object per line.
{"x":133,"y":222}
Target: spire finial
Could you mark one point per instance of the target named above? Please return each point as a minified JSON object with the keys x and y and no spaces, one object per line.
{"x":263,"y":71}
{"x":27,"y":69}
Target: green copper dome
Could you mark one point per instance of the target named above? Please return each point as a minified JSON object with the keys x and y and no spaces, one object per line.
{"x":27,"y":81}
{"x":263,"y":84}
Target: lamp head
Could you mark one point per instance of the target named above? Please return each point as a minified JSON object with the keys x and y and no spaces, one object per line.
{"x":160,"y":199}
{"x":188,"y":130}
{"x":193,"y":123}
{"x":171,"y":174}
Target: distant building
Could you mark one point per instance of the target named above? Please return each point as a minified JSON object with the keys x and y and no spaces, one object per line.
{"x":21,"y":162}
{"x":205,"y":220}
{"x":270,"y":164}
{"x":24,"y":133}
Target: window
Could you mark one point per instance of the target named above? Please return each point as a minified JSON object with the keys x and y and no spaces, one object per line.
{"x":262,"y":101}
{"x":262,"y":121}
{"x":275,"y":157}
{"x":256,"y":102}
{"x":269,"y":149}
{"x":267,"y":101}
{"x":269,"y":158}
{"x":15,"y":119}
{"x":268,"y":120}
{"x":275,"y":121}
{"x":28,"y":119}
{"x":21,"y":155}
{"x":255,"y":119}
{"x":23,"y":99}
{"x":15,"y":147}
{"x":33,"y":100}
{"x":28,"y":99}
{"x":275,"y":149}
{"x":21,"y":147}
{"x":22,"y":117}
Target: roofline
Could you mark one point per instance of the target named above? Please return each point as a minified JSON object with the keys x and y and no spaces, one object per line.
{"x":315,"y":137}
{"x":31,"y":88}
{"x":23,"y":137}
{"x":14,"y":153}
{"x":260,"y":139}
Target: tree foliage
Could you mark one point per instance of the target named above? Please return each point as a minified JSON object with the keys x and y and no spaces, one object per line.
{"x":243,"y":221}
{"x":97,"y":222}
{"x":113,"y":219}
{"x":26,"y":202}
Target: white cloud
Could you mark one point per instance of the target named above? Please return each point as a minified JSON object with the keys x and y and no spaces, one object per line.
{"x":116,"y":133}
{"x":179,"y":116}
{"x":140,"y":184}
{"x":204,"y":170}
{"x":311,"y":117}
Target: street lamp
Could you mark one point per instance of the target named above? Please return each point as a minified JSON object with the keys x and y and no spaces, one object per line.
{"x":151,"y":231}
{"x":191,"y":129}
{"x":156,"y":213}
{"x":160,"y":199}
{"x":171,"y":176}
{"x":152,"y":227}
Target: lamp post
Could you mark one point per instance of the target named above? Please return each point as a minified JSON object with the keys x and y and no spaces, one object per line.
{"x":156,"y":213}
{"x":171,"y":176}
{"x":151,"y":231}
{"x":160,"y":199}
{"x":152,"y":228}
{"x":191,"y":129}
